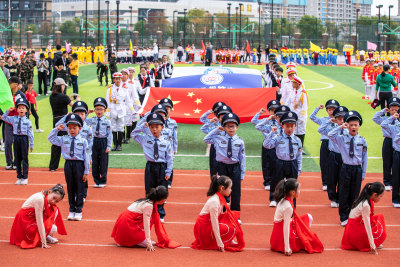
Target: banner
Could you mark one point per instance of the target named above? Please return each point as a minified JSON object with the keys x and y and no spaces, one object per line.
{"x":191,"y":103}
{"x":188,"y":71}
{"x":314,"y":47}
{"x":215,"y":81}
{"x":371,"y":46}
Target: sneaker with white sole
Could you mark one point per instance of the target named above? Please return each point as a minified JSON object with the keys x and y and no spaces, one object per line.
{"x":9,"y":167}
{"x":18,"y":181}
{"x":169,"y":186}
{"x":102,"y":185}
{"x":396,"y":205}
{"x":324,"y":188}
{"x":388,"y":188}
{"x":267,"y":187}
{"x":51,"y":240}
{"x":78,"y":216}
{"x":23,"y":182}
{"x":14,"y":167}
{"x":96,"y":185}
{"x":344,"y":223}
{"x":71,"y":216}
{"x":273,"y":203}
{"x":39,"y":130}
{"x":162,"y":220}
{"x":334,"y":204}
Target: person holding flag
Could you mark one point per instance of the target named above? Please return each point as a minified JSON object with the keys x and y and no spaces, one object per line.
{"x":209,"y":55}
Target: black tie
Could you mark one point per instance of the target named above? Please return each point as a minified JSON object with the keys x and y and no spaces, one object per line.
{"x":291,"y":154}
{"x":19,"y":125}
{"x":230,"y":147}
{"x":351,"y":154}
{"x":166,"y":123}
{"x":98,"y":127}
{"x":71,"y":149}
{"x":341,"y":131}
{"x":156,"y":156}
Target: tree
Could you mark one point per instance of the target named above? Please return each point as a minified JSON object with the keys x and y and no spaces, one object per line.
{"x":46,"y":28}
{"x":310,"y":27}
{"x":32,"y":27}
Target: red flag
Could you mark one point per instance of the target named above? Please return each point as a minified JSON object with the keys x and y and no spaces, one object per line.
{"x":203,"y":48}
{"x":248,"y":47}
{"x":191,"y":103}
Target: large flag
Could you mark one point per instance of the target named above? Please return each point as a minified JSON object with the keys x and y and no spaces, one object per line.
{"x":248,"y":47}
{"x":6,"y":99}
{"x":314,"y":47}
{"x":203,"y":48}
{"x":130,"y":45}
{"x":371,"y":46}
{"x":191,"y":103}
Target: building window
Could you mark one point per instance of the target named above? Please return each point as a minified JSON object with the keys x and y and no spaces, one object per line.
{"x":38,"y":5}
{"x":15,"y":4}
{"x":27,"y":5}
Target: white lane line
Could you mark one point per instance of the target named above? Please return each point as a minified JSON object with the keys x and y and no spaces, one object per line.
{"x":246,"y":249}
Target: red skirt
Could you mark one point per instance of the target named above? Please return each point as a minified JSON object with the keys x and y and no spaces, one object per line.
{"x":128,"y":229}
{"x":355,"y":236}
{"x":204,"y":234}
{"x":24,"y":231}
{"x":277,"y":241}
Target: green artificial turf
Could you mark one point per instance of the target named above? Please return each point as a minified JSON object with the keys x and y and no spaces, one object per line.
{"x":347,"y":89}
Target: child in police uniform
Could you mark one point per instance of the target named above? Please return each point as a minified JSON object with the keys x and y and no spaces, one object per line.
{"x":23,"y":138}
{"x":158,"y":153}
{"x":288,"y":149}
{"x":387,"y":148}
{"x":330,"y":106}
{"x":267,"y":155}
{"x":353,"y":149}
{"x":102,"y":141}
{"x":230,"y":154}
{"x":75,"y":151}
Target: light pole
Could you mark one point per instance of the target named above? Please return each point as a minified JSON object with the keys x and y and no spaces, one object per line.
{"x":108,"y":27}
{"x":272,"y":24}
{"x":117,"y":33}
{"x":98,"y":22}
{"x":86,"y":28}
{"x":184,"y":25}
{"x":357,"y":11}
{"x":259,"y":22}
{"x":130,"y":24}
{"x":229,"y":25}
{"x":390,"y":7}
{"x":240,"y":25}
{"x":379,"y":20}
{"x":173,"y":27}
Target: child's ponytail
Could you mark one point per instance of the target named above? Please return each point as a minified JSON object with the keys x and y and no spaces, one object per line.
{"x":58,"y":189}
{"x":216,"y":182}
{"x":155,"y":194}
{"x":284,"y":187}
{"x":368,"y":190}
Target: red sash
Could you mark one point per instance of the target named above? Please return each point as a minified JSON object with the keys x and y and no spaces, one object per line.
{"x":228,"y":226}
{"x":355,"y":236}
{"x":25,"y":233}
{"x":129,"y":230}
{"x":300,"y":237}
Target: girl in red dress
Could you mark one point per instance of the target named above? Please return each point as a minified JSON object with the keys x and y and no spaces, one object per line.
{"x":132,"y":227}
{"x":38,"y":219}
{"x":215,"y":229}
{"x":364,"y":230}
{"x":291,"y":233}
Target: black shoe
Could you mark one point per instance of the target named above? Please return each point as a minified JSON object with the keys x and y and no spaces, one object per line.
{"x":119,"y":148}
{"x":124,"y":141}
{"x":127,"y":141}
{"x":101,"y":84}
{"x":114,"y":148}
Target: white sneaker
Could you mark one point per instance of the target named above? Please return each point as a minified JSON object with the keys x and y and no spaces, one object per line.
{"x":78,"y":216}
{"x":39,"y":130}
{"x":380,"y":246}
{"x":396,"y":205}
{"x":24,"y":181}
{"x":344,"y":223}
{"x":240,"y":221}
{"x":2,"y":148}
{"x":162,"y":220}
{"x":388,"y":188}
{"x":334,"y":204}
{"x":96,"y":185}
{"x":324,"y":188}
{"x":267,"y":187}
{"x":51,"y":240}
{"x":18,"y":181}
{"x":71,"y":216}
{"x":9,"y":167}
{"x":273,"y":203}
{"x":84,"y":200}
{"x":102,"y":185}
{"x":169,"y":186}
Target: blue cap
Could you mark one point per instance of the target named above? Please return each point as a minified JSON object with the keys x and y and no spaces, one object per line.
{"x":73,"y":119}
{"x":100,"y":102}
{"x":279,"y":111}
{"x":167,"y":102}
{"x":223,"y":110}
{"x":230,"y":117}
{"x":155,"y":118}
{"x":273,"y":104}
{"x":217,"y":106}
{"x":332,"y":103}
{"x":340,"y":111}
{"x":159,"y":108}
{"x":289,"y":117}
{"x":22,"y":101}
{"x":80,"y":106}
{"x":353,"y":115}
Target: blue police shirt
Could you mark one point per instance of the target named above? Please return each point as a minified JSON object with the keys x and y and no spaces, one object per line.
{"x":104,"y":129}
{"x":319,"y":121}
{"x":379,"y":118}
{"x":81,"y":147}
{"x":141,"y":136}
{"x":281,"y":145}
{"x":343,"y":143}
{"x":173,"y":127}
{"x":26,"y":126}
{"x":391,"y":126}
{"x":220,"y":140}
{"x":325,"y":128}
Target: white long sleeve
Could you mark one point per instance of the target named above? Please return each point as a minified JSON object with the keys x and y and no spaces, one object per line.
{"x":363,"y":209}
{"x":284,"y":211}
{"x":36,"y":201}
{"x":214,"y":208}
{"x":145,"y":208}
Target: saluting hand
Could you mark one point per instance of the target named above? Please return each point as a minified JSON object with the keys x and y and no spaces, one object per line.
{"x":262,"y":111}
{"x":271,"y":117}
{"x":220,"y":128}
{"x":333,"y":120}
{"x":215,"y":119}
{"x":274,"y":129}
{"x":345,"y":125}
{"x":396,"y":115}
{"x":146,"y":125}
{"x":60,"y":127}
{"x":321,"y":106}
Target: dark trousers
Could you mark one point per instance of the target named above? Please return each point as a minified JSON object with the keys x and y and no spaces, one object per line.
{"x":154,"y":175}
{"x":171,"y":178}
{"x":73,"y":171}
{"x":55,"y":150}
{"x":232,"y":171}
{"x":74,"y":81}
{"x":103,"y":73}
{"x":8,"y":142}
{"x":301,"y":137}
{"x":35,"y":115}
{"x":55,"y":74}
{"x":396,"y":178}
{"x":334,"y":166}
{"x":212,"y":161}
{"x":21,"y":147}
{"x":283,"y":169}
{"x":268,"y":158}
{"x":42,"y":78}
{"x":349,"y":188}
{"x":384,"y":99}
{"x":141,"y":98}
{"x":387,"y":157}
{"x":99,"y":160}
{"x":323,"y":161}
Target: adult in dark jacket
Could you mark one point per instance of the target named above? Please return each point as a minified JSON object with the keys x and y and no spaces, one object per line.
{"x":57,"y":55}
{"x":209,"y":55}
